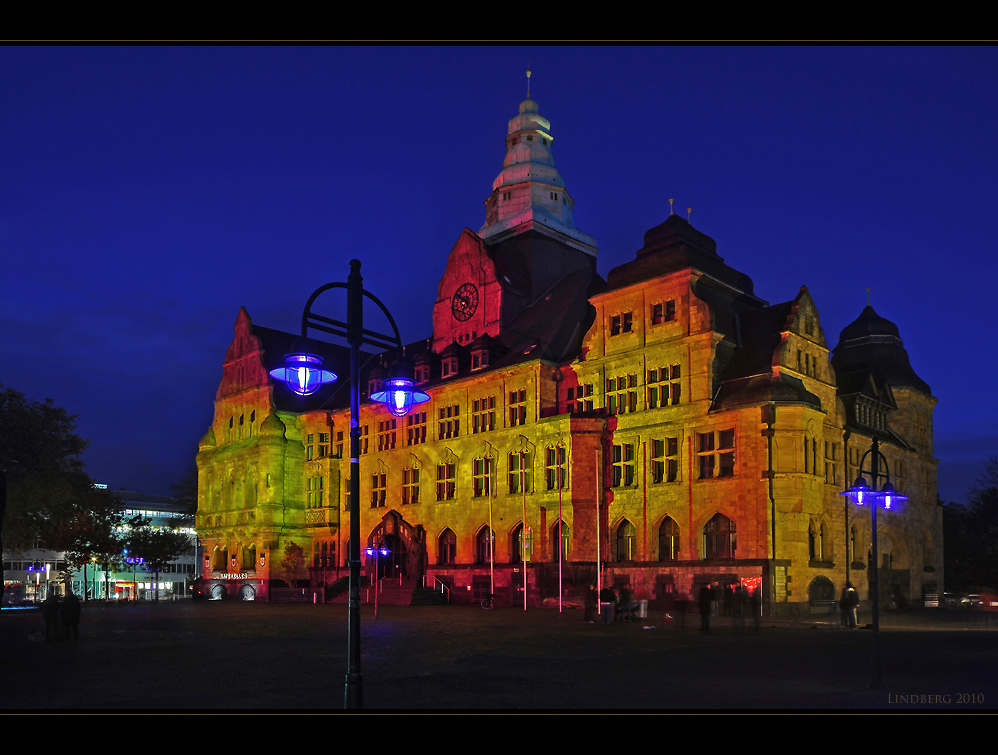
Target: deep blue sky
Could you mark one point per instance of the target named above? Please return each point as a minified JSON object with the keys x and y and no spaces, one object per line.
{"x":148,"y":193}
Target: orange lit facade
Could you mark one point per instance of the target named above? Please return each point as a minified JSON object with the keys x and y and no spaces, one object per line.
{"x":658,"y":429}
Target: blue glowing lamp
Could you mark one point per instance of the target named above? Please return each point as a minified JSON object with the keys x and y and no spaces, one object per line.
{"x":398,"y":392}
{"x":890,"y":496}
{"x":303,"y":373}
{"x":371,"y":551}
{"x":860,"y":493}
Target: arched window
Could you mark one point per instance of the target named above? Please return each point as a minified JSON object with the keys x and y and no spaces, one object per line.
{"x":719,"y":538}
{"x":668,"y":540}
{"x":821,"y":591}
{"x":626,"y":541}
{"x":484,"y":546}
{"x":447,"y":547}
{"x":516,"y":553}
{"x":559,"y":534}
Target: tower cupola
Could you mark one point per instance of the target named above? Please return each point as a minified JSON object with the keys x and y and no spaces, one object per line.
{"x":529,"y":193}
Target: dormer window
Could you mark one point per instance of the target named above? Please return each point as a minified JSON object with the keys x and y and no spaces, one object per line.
{"x":479,"y":359}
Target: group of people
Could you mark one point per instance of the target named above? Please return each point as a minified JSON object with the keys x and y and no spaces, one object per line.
{"x":61,"y":618}
{"x":611,"y":606}
{"x":736,"y":600}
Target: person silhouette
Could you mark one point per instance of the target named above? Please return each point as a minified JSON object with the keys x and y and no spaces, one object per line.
{"x":71,"y":615}
{"x":50,"y":612}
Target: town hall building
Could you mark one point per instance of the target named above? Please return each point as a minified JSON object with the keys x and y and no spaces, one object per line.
{"x":657,"y":430}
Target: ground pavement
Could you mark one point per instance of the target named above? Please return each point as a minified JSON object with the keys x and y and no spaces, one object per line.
{"x":240,"y":657}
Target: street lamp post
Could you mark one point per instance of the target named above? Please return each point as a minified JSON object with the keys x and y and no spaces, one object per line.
{"x":860,"y":493}
{"x":371,"y":551}
{"x":303,"y":373}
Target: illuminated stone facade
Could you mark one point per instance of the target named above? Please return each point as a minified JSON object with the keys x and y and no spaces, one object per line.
{"x":658,"y":429}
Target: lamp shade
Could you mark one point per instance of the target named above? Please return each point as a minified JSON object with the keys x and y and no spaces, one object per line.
{"x":890,"y":497}
{"x":860,"y":493}
{"x":398,"y":392}
{"x":303,"y":373}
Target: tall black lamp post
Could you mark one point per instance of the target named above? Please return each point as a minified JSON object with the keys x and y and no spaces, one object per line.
{"x":874,"y":495}
{"x":303,"y":373}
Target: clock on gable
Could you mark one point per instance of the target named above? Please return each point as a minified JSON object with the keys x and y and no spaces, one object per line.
{"x":465,"y":302}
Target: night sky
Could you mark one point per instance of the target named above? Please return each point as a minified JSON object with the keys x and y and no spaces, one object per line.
{"x":148,"y":193}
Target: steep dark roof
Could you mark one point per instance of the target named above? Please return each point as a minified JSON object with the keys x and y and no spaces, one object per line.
{"x":873,"y":343}
{"x":672,"y":246}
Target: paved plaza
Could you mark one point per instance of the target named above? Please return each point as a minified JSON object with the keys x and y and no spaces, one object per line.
{"x":240,"y":657}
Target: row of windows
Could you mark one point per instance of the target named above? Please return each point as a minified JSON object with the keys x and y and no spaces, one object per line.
{"x":718,"y":540}
{"x":663,"y":387}
{"x":483,"y":479}
{"x":520,"y":546}
{"x":658,"y":313}
{"x":243,"y":426}
{"x":807,"y":364}
{"x":715,"y":458}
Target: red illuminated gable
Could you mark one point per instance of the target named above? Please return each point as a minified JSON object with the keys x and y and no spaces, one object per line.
{"x":469,"y":296}
{"x":244,"y":367}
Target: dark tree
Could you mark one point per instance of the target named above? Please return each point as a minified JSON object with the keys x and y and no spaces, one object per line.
{"x":89,"y":534}
{"x":293,"y":563}
{"x":41,"y":472}
{"x":971,"y":535}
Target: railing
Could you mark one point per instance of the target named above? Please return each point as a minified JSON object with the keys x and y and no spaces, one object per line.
{"x":376,"y":586}
{"x":438,"y":586}
{"x":320,"y":517}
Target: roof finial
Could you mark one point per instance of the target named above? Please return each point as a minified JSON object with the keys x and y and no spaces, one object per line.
{"x":689,"y":211}
{"x":670,"y":206}
{"x":528,"y":83}
{"x":868,"y":296}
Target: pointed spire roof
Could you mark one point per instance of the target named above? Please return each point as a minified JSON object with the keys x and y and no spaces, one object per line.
{"x":529,"y":193}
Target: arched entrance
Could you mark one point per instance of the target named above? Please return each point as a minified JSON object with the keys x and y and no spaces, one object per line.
{"x":406,"y":543}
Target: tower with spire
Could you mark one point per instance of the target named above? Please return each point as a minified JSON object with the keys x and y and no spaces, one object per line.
{"x":528,"y":245}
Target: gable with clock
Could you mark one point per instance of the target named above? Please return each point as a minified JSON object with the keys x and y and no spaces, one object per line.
{"x":468,"y":296}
